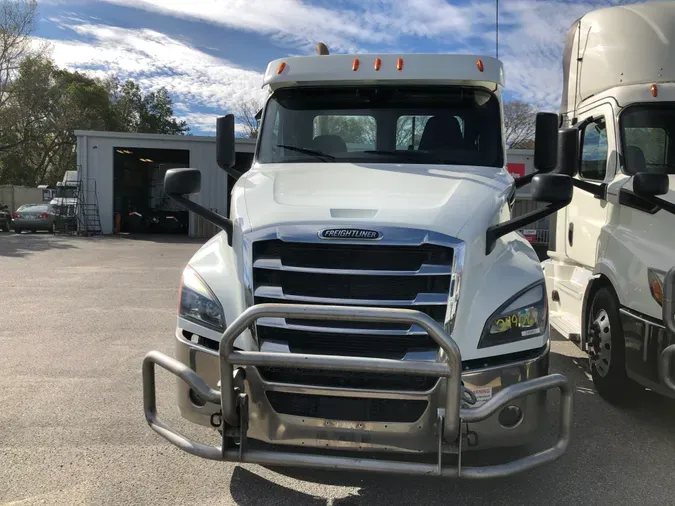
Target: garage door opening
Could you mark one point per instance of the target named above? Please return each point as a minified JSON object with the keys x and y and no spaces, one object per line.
{"x":138,"y":186}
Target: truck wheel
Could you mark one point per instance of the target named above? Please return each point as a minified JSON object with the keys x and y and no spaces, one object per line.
{"x":606,"y":349}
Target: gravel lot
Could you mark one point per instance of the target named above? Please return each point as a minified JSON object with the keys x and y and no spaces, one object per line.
{"x":77,"y":315}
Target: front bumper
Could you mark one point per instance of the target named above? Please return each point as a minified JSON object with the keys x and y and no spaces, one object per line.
{"x":242,"y":408}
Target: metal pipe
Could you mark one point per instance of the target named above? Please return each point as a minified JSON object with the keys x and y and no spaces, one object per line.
{"x":343,"y":313}
{"x":669,"y":302}
{"x":667,"y":374}
{"x":512,"y":392}
{"x":338,"y":363}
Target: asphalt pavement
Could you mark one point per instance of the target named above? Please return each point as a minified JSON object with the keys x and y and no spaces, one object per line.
{"x":77,"y":315}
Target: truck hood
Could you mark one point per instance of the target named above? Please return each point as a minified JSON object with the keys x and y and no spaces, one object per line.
{"x":434,"y":197}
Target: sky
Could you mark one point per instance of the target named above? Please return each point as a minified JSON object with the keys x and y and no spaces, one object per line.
{"x":211,"y":54}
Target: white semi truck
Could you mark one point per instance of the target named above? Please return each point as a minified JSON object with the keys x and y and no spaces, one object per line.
{"x":610,"y":275}
{"x":370,"y":294}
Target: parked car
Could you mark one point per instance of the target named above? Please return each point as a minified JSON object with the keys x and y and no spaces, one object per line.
{"x":5,"y":218}
{"x":34,"y":217}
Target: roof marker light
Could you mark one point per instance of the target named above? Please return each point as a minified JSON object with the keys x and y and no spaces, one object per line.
{"x":654,"y":90}
{"x":378,"y":63}
{"x":281,"y":68}
{"x":479,"y":64}
{"x":355,"y":65}
{"x":399,"y":64}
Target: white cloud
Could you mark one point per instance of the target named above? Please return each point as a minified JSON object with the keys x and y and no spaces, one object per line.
{"x":194,"y":79}
{"x":531,"y":39}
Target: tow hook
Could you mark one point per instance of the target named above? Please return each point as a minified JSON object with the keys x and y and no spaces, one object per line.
{"x":471,"y":436}
{"x":216,"y":419}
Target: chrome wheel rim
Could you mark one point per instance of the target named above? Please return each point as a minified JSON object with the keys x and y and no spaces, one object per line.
{"x":600,"y":350}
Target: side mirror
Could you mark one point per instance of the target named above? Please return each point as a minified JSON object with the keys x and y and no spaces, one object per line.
{"x":649,"y":184}
{"x":568,"y":152}
{"x":182,"y":181}
{"x":225,"y":152}
{"x":552,"y":188}
{"x":546,"y":141}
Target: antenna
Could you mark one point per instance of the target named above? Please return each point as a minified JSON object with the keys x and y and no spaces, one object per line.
{"x":497,"y":28}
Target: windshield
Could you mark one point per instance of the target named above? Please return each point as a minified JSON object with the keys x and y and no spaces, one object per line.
{"x":382,"y":124}
{"x":36,"y":208}
{"x":646,"y":132}
{"x":64,"y":192}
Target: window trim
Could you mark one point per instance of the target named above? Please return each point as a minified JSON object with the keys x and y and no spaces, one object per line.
{"x":622,"y":139}
{"x":600,"y":118}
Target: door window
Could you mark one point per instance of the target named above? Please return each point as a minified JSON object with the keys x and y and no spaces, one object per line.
{"x":594,"y":151}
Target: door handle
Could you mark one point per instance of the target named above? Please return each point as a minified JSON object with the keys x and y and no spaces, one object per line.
{"x":570,"y":234}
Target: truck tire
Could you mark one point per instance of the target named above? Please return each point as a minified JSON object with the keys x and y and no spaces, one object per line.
{"x":606,"y":349}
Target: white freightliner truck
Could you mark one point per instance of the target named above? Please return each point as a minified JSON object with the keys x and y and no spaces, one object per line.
{"x":370,"y":293}
{"x":610,"y":275}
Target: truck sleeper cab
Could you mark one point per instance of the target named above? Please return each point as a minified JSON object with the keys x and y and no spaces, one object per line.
{"x":370,"y":293}
{"x":607,"y":274}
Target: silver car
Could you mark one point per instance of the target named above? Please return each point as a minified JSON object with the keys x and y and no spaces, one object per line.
{"x":34,"y":217}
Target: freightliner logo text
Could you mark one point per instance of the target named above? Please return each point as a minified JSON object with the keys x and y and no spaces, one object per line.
{"x":349,"y":233}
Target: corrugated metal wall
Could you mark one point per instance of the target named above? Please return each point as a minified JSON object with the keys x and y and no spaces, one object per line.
{"x":95,"y":159}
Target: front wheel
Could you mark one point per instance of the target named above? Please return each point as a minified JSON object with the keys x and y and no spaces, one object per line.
{"x":606,"y":349}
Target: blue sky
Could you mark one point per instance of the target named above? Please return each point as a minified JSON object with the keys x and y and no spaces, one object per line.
{"x":210,"y":54}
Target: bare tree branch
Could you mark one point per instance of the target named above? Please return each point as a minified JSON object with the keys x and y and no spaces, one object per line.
{"x":519,"y":124}
{"x":244,"y":113}
{"x":17,"y":22}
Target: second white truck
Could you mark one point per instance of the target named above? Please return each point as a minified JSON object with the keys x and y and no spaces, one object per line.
{"x":370,"y":305}
{"x":611,"y":271}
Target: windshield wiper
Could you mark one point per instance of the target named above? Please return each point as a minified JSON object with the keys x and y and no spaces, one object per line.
{"x":407,"y":155}
{"x":318,"y":154}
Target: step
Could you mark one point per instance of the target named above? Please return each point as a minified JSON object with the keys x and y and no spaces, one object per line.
{"x":566,"y":325}
{"x":574,"y":290}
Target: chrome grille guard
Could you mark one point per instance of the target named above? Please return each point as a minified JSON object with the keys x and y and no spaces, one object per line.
{"x":668,"y":355}
{"x":234,"y":406}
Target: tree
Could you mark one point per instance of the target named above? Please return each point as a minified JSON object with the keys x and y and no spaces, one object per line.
{"x":135,"y":112}
{"x":17,"y":22}
{"x":47,"y":104}
{"x":519,"y":124}
{"x":245,"y":112}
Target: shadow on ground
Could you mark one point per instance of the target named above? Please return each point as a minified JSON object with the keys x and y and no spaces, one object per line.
{"x":161,"y":238}
{"x":24,"y":244}
{"x":592,"y":450}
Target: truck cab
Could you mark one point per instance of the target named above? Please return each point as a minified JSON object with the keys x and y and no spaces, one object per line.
{"x":369,"y":292}
{"x":613,"y":247}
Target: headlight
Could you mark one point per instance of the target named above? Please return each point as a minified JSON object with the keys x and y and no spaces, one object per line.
{"x":197,"y":302}
{"x":655,"y":279}
{"x":524,"y":316}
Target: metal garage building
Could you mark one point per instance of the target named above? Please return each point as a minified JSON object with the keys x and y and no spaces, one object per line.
{"x":100,"y":155}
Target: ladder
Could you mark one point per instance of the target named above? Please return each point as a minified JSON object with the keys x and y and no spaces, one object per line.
{"x":88,"y":218}
{"x":77,"y":213}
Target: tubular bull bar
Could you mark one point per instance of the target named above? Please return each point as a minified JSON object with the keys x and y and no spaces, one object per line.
{"x":234,"y":406}
{"x":667,"y":356}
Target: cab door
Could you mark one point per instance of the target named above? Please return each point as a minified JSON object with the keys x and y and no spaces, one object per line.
{"x":587,"y":214}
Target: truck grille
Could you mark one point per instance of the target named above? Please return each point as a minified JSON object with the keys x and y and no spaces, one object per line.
{"x":413,"y":277}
